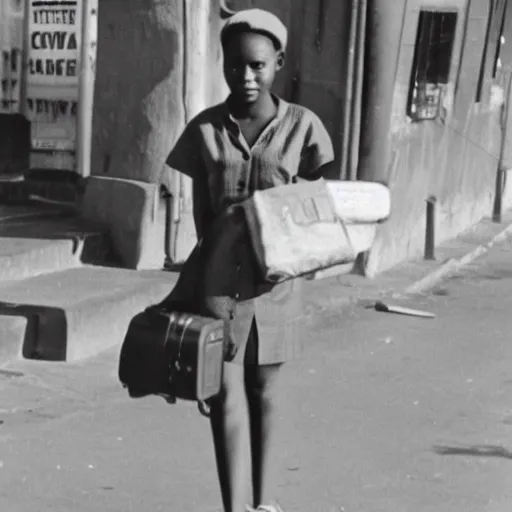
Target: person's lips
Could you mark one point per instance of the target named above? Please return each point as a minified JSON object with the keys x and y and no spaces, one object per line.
{"x":250,"y":91}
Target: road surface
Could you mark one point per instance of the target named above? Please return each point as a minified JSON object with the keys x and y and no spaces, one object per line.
{"x":385,"y":413}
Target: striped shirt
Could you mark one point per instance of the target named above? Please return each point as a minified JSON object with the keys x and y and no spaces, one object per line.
{"x":225,"y":170}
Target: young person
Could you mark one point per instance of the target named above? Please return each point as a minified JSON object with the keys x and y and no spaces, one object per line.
{"x":252,"y":141}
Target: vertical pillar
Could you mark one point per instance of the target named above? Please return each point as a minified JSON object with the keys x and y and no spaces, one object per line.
{"x":24,"y":61}
{"x":86,"y":86}
{"x":384,"y":34}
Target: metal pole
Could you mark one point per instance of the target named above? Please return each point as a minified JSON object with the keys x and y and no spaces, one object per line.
{"x":86,"y":86}
{"x":25,"y":51}
{"x":349,"y":91}
{"x":498,"y":198}
{"x":358,"y":93}
{"x":430,"y":236}
{"x":167,"y":197}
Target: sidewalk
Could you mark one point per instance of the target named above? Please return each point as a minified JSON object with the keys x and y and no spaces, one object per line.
{"x":410,"y":277}
{"x":382,"y":414}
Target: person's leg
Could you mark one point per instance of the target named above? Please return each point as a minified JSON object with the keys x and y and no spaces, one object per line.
{"x":263,"y":398}
{"x":230,"y":427}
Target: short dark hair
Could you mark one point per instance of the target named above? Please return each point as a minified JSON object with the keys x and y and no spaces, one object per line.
{"x":244,"y":28}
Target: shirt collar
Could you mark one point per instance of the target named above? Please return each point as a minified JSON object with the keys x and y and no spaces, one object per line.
{"x":282,"y":107}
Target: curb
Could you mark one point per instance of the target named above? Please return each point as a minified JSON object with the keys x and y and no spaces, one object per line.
{"x":454,"y":264}
{"x":334,"y":301}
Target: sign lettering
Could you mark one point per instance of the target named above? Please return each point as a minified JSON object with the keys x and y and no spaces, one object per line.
{"x":53,"y":67}
{"x":54,"y":17}
{"x":55,"y":38}
{"x":53,"y":63}
{"x":59,"y":40}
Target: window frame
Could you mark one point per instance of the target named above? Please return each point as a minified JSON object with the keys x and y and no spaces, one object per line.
{"x":441,"y":86}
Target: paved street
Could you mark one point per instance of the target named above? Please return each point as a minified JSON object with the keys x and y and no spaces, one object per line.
{"x":386,"y":413}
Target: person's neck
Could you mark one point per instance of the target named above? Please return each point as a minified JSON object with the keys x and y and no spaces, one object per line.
{"x":263,"y":107}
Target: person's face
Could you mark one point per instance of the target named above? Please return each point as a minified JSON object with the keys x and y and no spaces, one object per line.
{"x":250,"y":64}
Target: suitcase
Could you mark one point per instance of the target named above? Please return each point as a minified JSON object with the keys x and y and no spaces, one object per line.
{"x":173,"y":355}
{"x":176,"y":348}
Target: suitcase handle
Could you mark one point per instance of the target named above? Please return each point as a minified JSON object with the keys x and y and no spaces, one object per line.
{"x":204,"y":408}
{"x":185,"y":324}
{"x":202,"y":405}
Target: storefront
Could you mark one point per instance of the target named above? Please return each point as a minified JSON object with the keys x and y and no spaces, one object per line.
{"x":47,"y":74}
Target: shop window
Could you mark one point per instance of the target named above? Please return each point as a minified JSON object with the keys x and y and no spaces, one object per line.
{"x":432,"y":63}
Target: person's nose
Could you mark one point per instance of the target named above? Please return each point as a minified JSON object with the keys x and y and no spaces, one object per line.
{"x":248,"y":74}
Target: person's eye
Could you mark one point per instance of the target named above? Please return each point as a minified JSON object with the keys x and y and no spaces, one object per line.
{"x":258,"y":65}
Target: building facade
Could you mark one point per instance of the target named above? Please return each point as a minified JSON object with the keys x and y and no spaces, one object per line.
{"x":444,"y":87}
{"x":414,"y":94}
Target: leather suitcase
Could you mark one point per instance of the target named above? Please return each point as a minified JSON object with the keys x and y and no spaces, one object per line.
{"x":174,"y":355}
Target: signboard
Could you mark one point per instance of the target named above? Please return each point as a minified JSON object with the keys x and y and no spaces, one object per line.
{"x":54,"y":43}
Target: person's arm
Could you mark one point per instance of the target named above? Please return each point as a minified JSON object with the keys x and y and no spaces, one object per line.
{"x":317,"y":159}
{"x":327,"y":171}
{"x":185,"y":157}
{"x":201,"y":205}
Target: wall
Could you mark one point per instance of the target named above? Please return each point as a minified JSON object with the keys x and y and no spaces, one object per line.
{"x":314,"y":74}
{"x":454,"y":159}
{"x":139,"y":101}
{"x":159,"y":63}
{"x":141,"y":87}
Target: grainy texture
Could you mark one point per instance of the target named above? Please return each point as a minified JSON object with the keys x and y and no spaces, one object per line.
{"x":454,"y":157}
{"x":385,"y":414}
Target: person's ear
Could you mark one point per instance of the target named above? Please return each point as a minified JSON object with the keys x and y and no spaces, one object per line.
{"x":280,"y":60}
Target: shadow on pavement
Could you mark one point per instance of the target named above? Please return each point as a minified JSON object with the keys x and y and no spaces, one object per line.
{"x":45,"y":336}
{"x":478,"y":450}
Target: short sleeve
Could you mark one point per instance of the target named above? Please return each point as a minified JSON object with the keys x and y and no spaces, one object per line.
{"x":186,"y":158}
{"x":317,"y":150}
{"x":185,"y":155}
